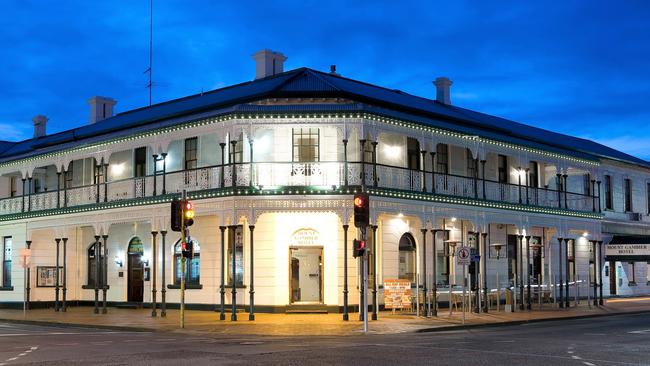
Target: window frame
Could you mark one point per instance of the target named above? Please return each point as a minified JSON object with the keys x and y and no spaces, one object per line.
{"x":191,"y":278}
{"x":190,"y":153}
{"x":502,"y":170}
{"x":140,"y":167}
{"x":412,"y":252}
{"x":627,"y":195}
{"x":632,"y":279}
{"x":301,"y":141}
{"x":6,"y":263}
{"x":609,"y":194}
{"x":472,"y":166}
{"x":239,"y":258}
{"x":442,"y":159}
{"x":533,"y":174}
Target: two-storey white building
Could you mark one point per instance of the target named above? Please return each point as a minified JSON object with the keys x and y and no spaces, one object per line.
{"x":271,"y":166}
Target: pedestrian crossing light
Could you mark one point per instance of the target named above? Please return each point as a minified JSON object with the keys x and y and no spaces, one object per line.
{"x":187,"y":249}
{"x":176,"y":215}
{"x":188,"y":213}
{"x":361,"y":210}
{"x":358,"y":248}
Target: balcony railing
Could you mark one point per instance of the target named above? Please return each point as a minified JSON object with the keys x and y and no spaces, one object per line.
{"x":321,"y":174}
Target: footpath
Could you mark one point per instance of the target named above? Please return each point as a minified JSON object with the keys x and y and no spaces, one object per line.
{"x":207,"y":322}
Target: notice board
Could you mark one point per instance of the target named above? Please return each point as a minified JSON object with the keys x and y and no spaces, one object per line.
{"x":397,"y":294}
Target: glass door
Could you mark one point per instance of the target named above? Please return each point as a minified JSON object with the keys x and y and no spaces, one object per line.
{"x":306,"y":274}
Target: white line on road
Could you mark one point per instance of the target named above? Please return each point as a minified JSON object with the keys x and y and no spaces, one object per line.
{"x":588,"y":363}
{"x":576,"y":357}
{"x":640,"y":331}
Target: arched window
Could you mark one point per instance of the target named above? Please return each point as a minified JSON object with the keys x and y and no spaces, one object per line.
{"x":192,"y":267}
{"x":407,"y":265}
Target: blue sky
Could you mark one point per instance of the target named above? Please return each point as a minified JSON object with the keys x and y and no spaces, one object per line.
{"x":576,"y":67}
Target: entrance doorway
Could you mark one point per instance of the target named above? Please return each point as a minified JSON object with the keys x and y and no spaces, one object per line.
{"x":135,"y":271}
{"x":306,"y":275}
{"x":612,"y":278}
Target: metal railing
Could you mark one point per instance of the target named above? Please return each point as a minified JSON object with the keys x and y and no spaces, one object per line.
{"x":268,"y":175}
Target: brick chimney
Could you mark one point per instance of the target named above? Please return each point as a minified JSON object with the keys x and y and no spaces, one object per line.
{"x":443,"y":92}
{"x":39,"y":125}
{"x":100,"y":108}
{"x":268,"y":63}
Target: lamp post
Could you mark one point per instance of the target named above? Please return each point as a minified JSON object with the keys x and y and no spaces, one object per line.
{"x":450,"y":254}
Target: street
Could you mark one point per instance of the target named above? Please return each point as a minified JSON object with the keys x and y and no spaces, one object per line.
{"x":612,"y":340}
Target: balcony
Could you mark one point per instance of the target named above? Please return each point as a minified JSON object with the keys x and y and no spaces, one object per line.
{"x":325,"y":175}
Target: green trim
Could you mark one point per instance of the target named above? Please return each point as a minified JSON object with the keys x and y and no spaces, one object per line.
{"x":232,"y":115}
{"x":312,"y":191}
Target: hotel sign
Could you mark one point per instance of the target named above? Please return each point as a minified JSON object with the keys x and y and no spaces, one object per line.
{"x":627,"y":252}
{"x":305,"y":237}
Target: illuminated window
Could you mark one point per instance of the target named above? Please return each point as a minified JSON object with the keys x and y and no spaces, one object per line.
{"x":190,"y":153}
{"x":407,"y":265}
{"x":306,"y":143}
{"x":237,"y":153}
{"x":192,"y":266}
{"x":442,"y":158}
{"x":571,"y":250}
{"x":68,"y":176}
{"x":471,"y":164}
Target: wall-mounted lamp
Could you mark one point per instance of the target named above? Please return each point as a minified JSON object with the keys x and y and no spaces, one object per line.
{"x":145,"y":260}
{"x":118,"y":261}
{"x":497,"y":247}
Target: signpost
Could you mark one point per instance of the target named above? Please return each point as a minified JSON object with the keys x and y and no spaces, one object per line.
{"x":463,"y":258}
{"x":25,"y":259}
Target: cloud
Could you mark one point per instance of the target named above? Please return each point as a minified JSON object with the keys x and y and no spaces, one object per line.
{"x":12,"y":132}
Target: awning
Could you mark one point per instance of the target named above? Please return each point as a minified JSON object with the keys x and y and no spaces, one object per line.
{"x":626,"y":248}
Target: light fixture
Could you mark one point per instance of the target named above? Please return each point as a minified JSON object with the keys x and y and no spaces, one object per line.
{"x":585,"y":234}
{"x":392,"y":151}
{"x":400,"y":215}
{"x":497,"y":247}
{"x":453,"y":219}
{"x":118,"y":261}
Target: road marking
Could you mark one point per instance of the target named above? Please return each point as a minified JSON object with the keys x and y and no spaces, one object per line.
{"x":640,"y":331}
{"x":576,"y":357}
{"x":588,"y":363}
{"x":55,"y":333}
{"x":569,"y":352}
{"x":13,"y":358}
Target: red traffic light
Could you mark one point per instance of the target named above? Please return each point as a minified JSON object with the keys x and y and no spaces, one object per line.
{"x":359,"y":201}
{"x":188,"y":205}
{"x":362,"y":244}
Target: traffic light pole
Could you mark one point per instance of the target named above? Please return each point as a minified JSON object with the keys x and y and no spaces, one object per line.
{"x":364,"y":274}
{"x":183,"y":237}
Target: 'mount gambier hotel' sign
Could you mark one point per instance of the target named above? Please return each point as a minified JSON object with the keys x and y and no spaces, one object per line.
{"x":628,"y":251}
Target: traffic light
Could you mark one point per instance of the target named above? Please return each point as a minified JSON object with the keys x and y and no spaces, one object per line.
{"x":361,"y":210}
{"x":176,"y":215}
{"x":188,"y":213}
{"x":187,"y":249}
{"x":358,"y":248}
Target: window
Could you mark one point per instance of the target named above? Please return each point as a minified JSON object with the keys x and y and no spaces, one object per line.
{"x":37,"y":185}
{"x":536,"y":257}
{"x":631,"y":275}
{"x":512,"y":257}
{"x":609,"y":198}
{"x":192,"y":266}
{"x":237,"y":153}
{"x":533,"y":174}
{"x":68,"y":176}
{"x":627,"y":186}
{"x":648,"y":197}
{"x":190,"y":153}
{"x":471,"y":164}
{"x":12,"y":187}
{"x":407,"y":258}
{"x":236,"y":241}
{"x":442,"y":159}
{"x":647,"y":273}
{"x":413,"y":153}
{"x":92,"y":266}
{"x":140,"y":161}
{"x":306,"y":143}
{"x":443,"y":260}
{"x":503,"y":169}
{"x":6,"y":262}
{"x":587,"y":185}
{"x":99,"y":174}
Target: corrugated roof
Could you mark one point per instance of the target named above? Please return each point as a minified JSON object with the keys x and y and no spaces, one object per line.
{"x":306,"y":82}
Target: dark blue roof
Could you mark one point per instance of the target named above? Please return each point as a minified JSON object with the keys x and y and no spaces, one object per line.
{"x":306,"y":82}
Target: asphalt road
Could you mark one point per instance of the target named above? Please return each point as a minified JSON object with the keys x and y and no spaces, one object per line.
{"x":615,"y":340}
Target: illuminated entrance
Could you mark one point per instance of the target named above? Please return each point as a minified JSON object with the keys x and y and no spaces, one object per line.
{"x":306,"y":275}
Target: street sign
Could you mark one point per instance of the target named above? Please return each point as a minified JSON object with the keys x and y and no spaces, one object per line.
{"x":463,"y":256}
{"x":476,"y":258}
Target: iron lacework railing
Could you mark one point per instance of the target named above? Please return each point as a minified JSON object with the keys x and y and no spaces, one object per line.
{"x":328,"y":176}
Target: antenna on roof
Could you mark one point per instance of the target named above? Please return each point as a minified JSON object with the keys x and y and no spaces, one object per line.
{"x":150,"y":69}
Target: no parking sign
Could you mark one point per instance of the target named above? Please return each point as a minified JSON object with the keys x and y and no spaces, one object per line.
{"x":463,"y":256}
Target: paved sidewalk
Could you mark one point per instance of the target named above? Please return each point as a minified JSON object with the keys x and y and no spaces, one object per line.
{"x":207,"y":322}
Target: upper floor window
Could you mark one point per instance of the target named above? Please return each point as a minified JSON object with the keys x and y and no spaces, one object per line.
{"x":533,"y":174}
{"x":6,"y":261}
{"x":627,"y":187}
{"x":192,"y":266}
{"x":502,"y":168}
{"x":140,"y":162}
{"x":609,"y":196}
{"x":587,"y":184}
{"x":471,"y":164}
{"x":306,"y":145}
{"x":92,"y":266}
{"x":99,"y":174}
{"x":413,"y":153}
{"x":237,"y":151}
{"x":442,"y":158}
{"x":190,"y":153}
{"x":68,"y":176}
{"x":37,"y":185}
{"x":648,"y":195}
{"x":13,"y":187}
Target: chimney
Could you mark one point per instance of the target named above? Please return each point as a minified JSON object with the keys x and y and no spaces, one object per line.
{"x":100,"y":108}
{"x":443,"y":85}
{"x":39,"y":125}
{"x":268,"y":63}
